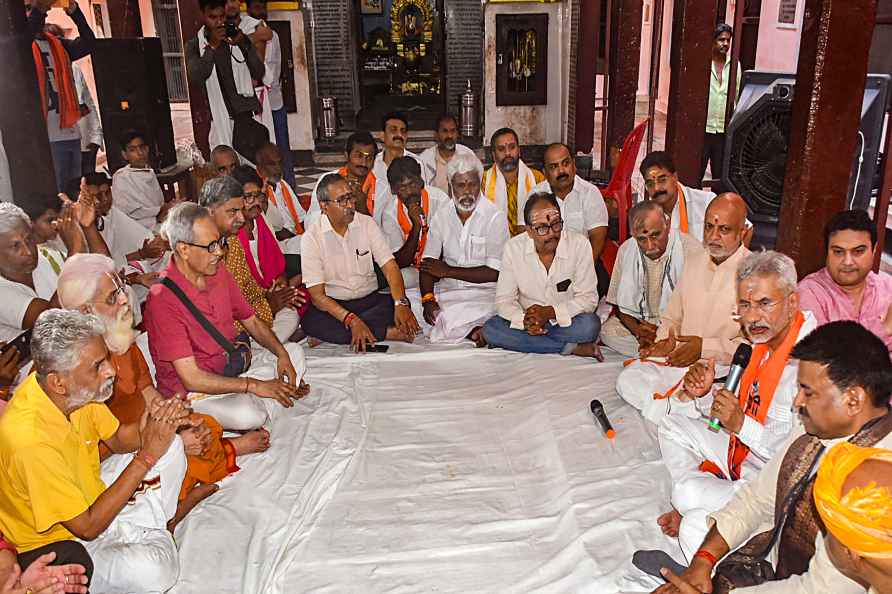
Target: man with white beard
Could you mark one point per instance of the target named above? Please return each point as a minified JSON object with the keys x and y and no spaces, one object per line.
{"x":707,"y":467}
{"x":52,"y":495}
{"x":462,"y":256}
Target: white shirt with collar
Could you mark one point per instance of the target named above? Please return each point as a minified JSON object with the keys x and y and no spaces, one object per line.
{"x":16,"y":297}
{"x":345,"y":265}
{"x":434,"y":163}
{"x":137,"y":193}
{"x":480,"y":241}
{"x":524,"y":281}
{"x":696,"y":202}
{"x":583,"y":209}
{"x":390,"y":226}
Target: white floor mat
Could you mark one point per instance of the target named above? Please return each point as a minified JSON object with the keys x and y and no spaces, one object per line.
{"x":436,"y":470}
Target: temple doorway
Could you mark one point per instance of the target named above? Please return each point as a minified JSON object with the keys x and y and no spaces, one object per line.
{"x":401,"y":61}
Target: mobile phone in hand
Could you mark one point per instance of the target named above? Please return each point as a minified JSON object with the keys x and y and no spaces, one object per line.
{"x":378,"y":348}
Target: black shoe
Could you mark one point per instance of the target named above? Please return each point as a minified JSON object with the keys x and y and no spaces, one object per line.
{"x":651,"y":562}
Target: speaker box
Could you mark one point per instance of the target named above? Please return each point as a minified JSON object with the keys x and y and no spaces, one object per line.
{"x":132,"y":92}
{"x":757,"y":141}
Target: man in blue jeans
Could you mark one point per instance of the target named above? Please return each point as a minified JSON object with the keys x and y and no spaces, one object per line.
{"x":547,"y":290}
{"x":58,"y":91}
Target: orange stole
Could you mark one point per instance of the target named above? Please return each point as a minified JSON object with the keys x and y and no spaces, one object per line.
{"x":768,"y":376}
{"x":682,"y":211}
{"x":127,"y":404}
{"x":402,"y":216}
{"x":368,"y":186}
{"x":69,"y":109}
{"x":289,"y":204}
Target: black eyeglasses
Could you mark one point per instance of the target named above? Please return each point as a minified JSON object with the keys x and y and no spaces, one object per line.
{"x":219,"y":245}
{"x":542,"y":230}
{"x":343,"y":202}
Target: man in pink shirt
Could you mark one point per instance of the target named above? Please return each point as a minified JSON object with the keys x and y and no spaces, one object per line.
{"x":847,"y":288}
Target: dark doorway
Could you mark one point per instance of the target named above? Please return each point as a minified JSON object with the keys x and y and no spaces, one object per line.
{"x":402,"y":61}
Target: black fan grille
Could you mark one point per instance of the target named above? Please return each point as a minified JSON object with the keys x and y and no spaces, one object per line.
{"x":759,"y":157}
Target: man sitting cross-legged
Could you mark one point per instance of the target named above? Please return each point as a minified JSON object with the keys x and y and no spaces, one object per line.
{"x":405,"y":221}
{"x":647,"y":270}
{"x":697,"y":322}
{"x":463,"y":257}
{"x":223,"y":197}
{"x":707,"y":467}
{"x":547,"y":293}
{"x":90,"y":284}
{"x":51,"y":488}
{"x":337,"y":260}
{"x":845,"y":378}
{"x":847,"y":288}
{"x":223,"y":375}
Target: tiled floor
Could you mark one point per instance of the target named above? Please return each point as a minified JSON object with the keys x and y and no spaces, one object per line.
{"x":305,"y":178}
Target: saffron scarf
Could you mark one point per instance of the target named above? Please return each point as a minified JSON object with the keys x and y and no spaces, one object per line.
{"x":272,"y":260}
{"x":682,"y":210}
{"x":495,"y":186}
{"x":368,"y":188}
{"x":69,"y":109}
{"x":402,"y":216}
{"x":289,"y":204}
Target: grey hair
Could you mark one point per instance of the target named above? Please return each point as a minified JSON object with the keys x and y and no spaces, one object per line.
{"x":79,"y":279}
{"x":461,"y":164}
{"x":179,"y":227}
{"x":769,"y":263}
{"x":218,"y":190}
{"x":11,"y":216}
{"x":325,"y":185}
{"x":643,"y":208}
{"x":58,"y":339}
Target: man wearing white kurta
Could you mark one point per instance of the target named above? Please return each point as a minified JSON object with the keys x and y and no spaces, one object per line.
{"x":509,"y":182}
{"x":698,"y":320}
{"x":648,"y":268}
{"x":685,"y":206}
{"x":463,"y":257}
{"x":844,"y":375}
{"x":437,"y":157}
{"x":394,"y":137}
{"x":756,"y":424}
{"x":405,"y":221}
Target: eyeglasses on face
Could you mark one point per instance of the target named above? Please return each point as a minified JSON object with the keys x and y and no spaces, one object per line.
{"x":215,"y":246}
{"x":543,"y":230}
{"x":252,"y":197}
{"x":342,"y":202}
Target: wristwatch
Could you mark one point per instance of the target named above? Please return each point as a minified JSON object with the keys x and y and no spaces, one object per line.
{"x":404,"y":302}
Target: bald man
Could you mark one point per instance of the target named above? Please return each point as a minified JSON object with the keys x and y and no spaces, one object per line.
{"x":285,"y":214}
{"x":224,"y":160}
{"x":698,"y":323}
{"x":853,"y":495}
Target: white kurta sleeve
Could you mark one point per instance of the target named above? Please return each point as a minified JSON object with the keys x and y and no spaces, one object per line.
{"x":507,"y":291}
{"x":496,"y":238}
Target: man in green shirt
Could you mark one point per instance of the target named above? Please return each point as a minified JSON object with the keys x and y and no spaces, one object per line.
{"x":719,"y":73}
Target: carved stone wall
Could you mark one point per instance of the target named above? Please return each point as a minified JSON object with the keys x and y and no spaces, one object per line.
{"x":464,"y":49}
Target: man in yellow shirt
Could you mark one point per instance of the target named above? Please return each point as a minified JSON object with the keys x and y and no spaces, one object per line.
{"x":509,"y":182}
{"x":51,"y":489}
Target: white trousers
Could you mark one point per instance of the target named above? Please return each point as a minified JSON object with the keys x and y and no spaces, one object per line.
{"x":638,"y":383}
{"x":285,"y":323}
{"x":685,"y":443}
{"x":136,"y":554}
{"x":244,"y":412}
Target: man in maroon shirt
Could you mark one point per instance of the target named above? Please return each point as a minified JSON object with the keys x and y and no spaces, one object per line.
{"x":187,"y":358}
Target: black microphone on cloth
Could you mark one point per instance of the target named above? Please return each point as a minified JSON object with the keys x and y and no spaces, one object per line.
{"x":601,"y":417}
{"x":738,"y":364}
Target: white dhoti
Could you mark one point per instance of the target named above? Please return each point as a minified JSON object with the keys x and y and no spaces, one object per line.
{"x":285,"y":323}
{"x":685,"y":443}
{"x":244,"y":412}
{"x":638,"y":383}
{"x":136,"y":554}
{"x":462,"y":310}
{"x":617,"y":337}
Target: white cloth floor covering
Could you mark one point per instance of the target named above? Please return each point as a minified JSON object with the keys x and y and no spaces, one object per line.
{"x":437,"y":469}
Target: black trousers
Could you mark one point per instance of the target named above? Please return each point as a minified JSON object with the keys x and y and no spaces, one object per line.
{"x":67,"y":551}
{"x":376,"y":310}
{"x":714,"y":155}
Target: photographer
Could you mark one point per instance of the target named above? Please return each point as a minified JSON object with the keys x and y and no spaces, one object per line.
{"x":223,"y":57}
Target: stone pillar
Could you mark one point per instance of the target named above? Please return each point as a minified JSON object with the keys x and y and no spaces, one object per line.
{"x":586,"y":60}
{"x":692,"y":27}
{"x":625,"y":54}
{"x":23,"y":124}
{"x":124,"y":18}
{"x":833,"y":56}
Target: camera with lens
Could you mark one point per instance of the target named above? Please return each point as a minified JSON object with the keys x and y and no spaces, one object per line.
{"x":231,"y":30}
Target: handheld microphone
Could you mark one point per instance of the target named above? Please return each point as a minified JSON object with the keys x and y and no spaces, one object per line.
{"x":601,"y":417}
{"x":738,"y":364}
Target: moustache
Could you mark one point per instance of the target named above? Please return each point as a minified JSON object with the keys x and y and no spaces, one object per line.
{"x":563,"y":176}
{"x":399,"y":139}
{"x":658,"y":194}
